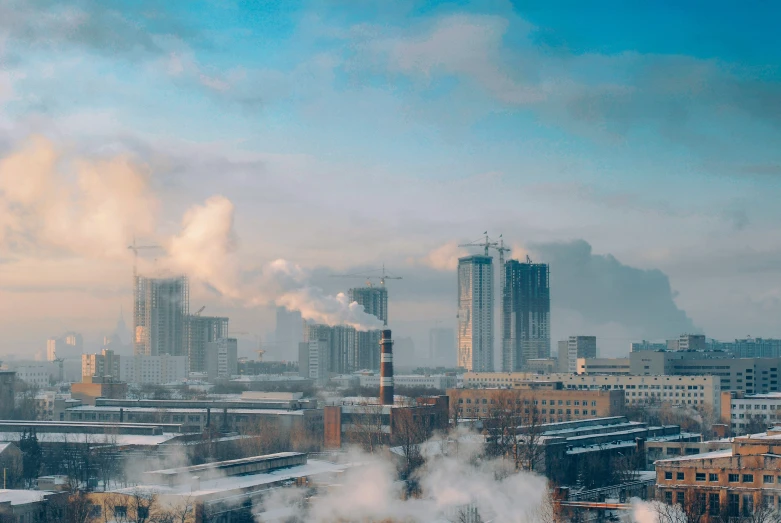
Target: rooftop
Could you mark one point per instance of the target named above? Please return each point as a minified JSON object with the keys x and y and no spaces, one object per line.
{"x":21,"y":497}
{"x":705,"y":455}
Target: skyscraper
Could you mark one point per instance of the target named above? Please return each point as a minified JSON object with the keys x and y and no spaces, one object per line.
{"x":367,"y":343}
{"x":373,"y":299}
{"x":288,"y":332}
{"x":476,"y":313}
{"x":200,"y":333}
{"x":525,"y":314}
{"x":161,"y":306}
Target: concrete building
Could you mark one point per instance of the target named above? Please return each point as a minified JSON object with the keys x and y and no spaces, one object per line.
{"x":303,"y":359}
{"x":222,"y":358}
{"x":695,"y":391}
{"x":288,"y":333}
{"x":525,"y":314}
{"x":153,"y":370}
{"x":542,"y":365}
{"x":104,"y":364}
{"x":199,"y":332}
{"x":319,"y":364}
{"x":35,"y":375}
{"x":442,"y":346}
{"x":92,"y":388}
{"x":555,"y":405}
{"x":752,"y":348}
{"x":373,"y":299}
{"x":439,"y":382}
{"x":161,"y":307}
{"x":341,"y":339}
{"x":476,"y":313}
{"x":725,"y":484}
{"x":738,"y":409}
{"x":688,"y":342}
{"x":28,"y":506}
{"x":750,"y":375}
{"x":637,"y":346}
{"x":573,"y":348}
{"x":620,"y":366}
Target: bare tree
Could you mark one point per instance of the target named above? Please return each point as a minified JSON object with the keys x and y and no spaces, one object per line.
{"x":366,"y":427}
{"x":79,"y":508}
{"x":182,"y":512}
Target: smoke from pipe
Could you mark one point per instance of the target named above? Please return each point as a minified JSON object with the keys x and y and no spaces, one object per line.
{"x":53,"y":204}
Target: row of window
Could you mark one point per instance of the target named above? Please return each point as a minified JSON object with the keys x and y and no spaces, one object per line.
{"x":714,"y":477}
{"x":712,"y":502}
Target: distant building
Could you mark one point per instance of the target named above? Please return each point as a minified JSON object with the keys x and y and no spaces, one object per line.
{"x":688,"y":342}
{"x":303,"y":359}
{"x":288,"y":332}
{"x":525,"y":314}
{"x":613,"y":366}
{"x":153,"y":370}
{"x":738,"y":409}
{"x":573,"y":348}
{"x":542,"y":365}
{"x":373,"y":299}
{"x":753,"y":348}
{"x":319,"y":363}
{"x":200,"y":331}
{"x":35,"y":375}
{"x":7,"y":394}
{"x":476,"y":313}
{"x":96,"y":387}
{"x":104,"y":364}
{"x":439,"y":382}
{"x":341,"y":340}
{"x":442,"y":346}
{"x":637,"y":346}
{"x":161,"y":306}
{"x":222,"y":358}
{"x":367,"y":343}
{"x":69,"y":345}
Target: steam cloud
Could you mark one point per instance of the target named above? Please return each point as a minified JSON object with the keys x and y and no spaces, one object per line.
{"x":51,"y":203}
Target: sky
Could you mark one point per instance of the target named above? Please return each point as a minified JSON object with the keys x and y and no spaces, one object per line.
{"x":634,"y":146}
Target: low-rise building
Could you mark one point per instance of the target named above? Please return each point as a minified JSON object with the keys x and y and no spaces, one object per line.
{"x":439,"y":382}
{"x":701,"y":392}
{"x":726,"y":483}
{"x":613,"y":366}
{"x":739,"y":409}
{"x":553,"y":405}
{"x":92,"y":388}
{"x":35,"y":375}
{"x":153,"y":370}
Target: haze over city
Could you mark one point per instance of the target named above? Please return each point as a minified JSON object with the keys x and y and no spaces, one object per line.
{"x":640,"y":163}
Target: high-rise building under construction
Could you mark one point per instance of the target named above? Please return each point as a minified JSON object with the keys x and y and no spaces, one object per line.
{"x":367,"y":343}
{"x":199,"y":332}
{"x":525,"y":314}
{"x":476,"y":313}
{"x":161,"y":307}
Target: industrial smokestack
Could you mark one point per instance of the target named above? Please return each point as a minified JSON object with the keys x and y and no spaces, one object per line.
{"x":386,"y":368}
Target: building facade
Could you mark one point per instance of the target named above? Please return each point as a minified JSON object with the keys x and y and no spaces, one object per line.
{"x":725,"y":484}
{"x":373,"y":299}
{"x":604,"y":366}
{"x":153,"y":370}
{"x":476,"y":313}
{"x":573,"y":348}
{"x":319,"y":364}
{"x":161,"y":307}
{"x":222,"y":358}
{"x":34,"y":375}
{"x":525,"y":314}
{"x":439,"y":382}
{"x":738,"y":409}
{"x":553,"y":405}
{"x":104,"y":364}
{"x":200,"y":331}
{"x":700,"y":392}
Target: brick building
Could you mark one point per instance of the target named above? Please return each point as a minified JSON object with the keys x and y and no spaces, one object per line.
{"x":554,"y":405}
{"x":728,"y":483}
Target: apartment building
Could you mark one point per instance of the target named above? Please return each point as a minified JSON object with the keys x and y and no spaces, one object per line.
{"x":728,"y":483}
{"x":738,"y":409}
{"x":553,"y":405}
{"x":603,"y":366}
{"x":695,"y":391}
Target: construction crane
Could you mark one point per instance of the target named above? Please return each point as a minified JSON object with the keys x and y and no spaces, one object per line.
{"x":260,"y":351}
{"x":382,"y":277}
{"x":135,"y":248}
{"x":60,"y":362}
{"x":485,"y":244}
{"x":198,"y":313}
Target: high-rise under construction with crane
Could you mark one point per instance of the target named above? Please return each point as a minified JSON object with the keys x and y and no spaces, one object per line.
{"x":476,"y":313}
{"x":525,"y":313}
{"x":161,"y":307}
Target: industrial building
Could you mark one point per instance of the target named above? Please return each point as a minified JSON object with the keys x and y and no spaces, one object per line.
{"x":161,"y":307}
{"x":694,"y":391}
{"x":729,"y":483}
{"x":476,"y":313}
{"x":554,"y":403}
{"x":574,"y":348}
{"x":525,"y":314}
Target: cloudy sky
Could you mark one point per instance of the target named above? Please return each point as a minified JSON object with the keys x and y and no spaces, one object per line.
{"x":633,"y":147}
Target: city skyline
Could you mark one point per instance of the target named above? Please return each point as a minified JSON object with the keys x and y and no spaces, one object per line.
{"x":640,"y":150}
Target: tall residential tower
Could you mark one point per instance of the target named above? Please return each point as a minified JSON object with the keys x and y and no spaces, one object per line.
{"x":161,"y":306}
{"x":367,"y":343}
{"x":525,"y":314}
{"x":476,"y":313}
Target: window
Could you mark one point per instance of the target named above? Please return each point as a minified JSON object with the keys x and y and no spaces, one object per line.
{"x":733,"y":478}
{"x":768,"y":501}
{"x":699,"y":476}
{"x":668,"y":497}
{"x":120,"y":511}
{"x":679,"y":476}
{"x":668,"y":475}
{"x":748,"y":478}
{"x":733,"y":505}
{"x":713,"y":477}
{"x":713,"y":503}
{"x":680,"y":497}
{"x":748,"y":504}
{"x":767,"y":479}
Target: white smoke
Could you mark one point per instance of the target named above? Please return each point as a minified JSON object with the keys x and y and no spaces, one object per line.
{"x":57,"y":203}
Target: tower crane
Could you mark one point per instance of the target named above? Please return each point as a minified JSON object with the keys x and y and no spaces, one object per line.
{"x":260,"y":351}
{"x":135,"y":248}
{"x":198,"y":313}
{"x":485,"y":244}
{"x":382,"y":277}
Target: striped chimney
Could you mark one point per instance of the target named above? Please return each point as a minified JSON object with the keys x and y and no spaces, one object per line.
{"x":386,"y":368}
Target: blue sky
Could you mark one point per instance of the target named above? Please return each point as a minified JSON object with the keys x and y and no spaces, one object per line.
{"x":348,"y":134}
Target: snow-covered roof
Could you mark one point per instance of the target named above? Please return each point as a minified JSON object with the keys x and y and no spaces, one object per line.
{"x":21,"y":497}
{"x":89,"y":408}
{"x":727,"y":453}
{"x":118,"y":439}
